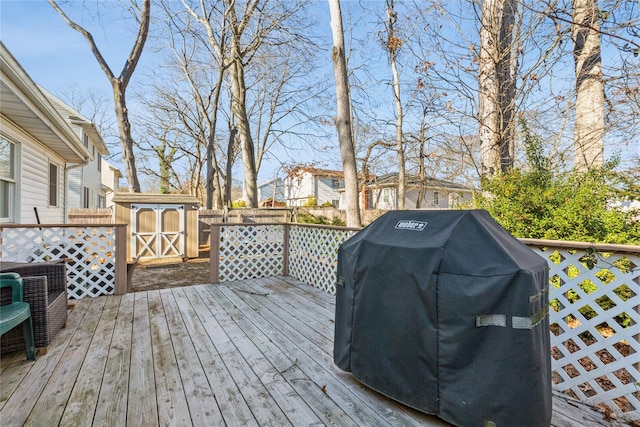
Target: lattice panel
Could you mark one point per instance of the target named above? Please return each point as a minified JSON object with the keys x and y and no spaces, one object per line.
{"x":91,"y":251}
{"x":595,"y":325}
{"x":251,"y":251}
{"x":313,"y":255}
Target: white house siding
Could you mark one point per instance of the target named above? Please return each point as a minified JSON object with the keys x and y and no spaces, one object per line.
{"x":74,"y":183}
{"x":385,"y":198}
{"x":87,"y":176}
{"x":34,"y":184}
{"x":299,"y":189}
{"x":265,"y":190}
{"x":429,"y":199}
{"x":110,"y":179}
{"x":325,"y":191}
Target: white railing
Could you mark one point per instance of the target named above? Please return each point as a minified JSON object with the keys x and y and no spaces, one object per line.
{"x":249,"y":252}
{"x":313,"y":254}
{"x":594,"y":297}
{"x":595,"y":323}
{"x":89,"y":251}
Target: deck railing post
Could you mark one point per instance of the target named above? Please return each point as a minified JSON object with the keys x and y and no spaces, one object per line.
{"x":285,"y":250}
{"x":214,"y":254}
{"x":122,"y":285}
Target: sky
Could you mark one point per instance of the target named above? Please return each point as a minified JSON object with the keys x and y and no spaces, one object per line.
{"x":52,"y":53}
{"x":57,"y":58}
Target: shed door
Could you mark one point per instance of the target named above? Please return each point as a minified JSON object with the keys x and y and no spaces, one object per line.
{"x":157,"y":231}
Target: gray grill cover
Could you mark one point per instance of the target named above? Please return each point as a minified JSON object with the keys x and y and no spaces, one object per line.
{"x":446,"y":312}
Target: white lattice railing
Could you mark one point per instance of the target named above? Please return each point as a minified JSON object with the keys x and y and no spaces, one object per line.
{"x":595,"y":302}
{"x":90,"y":252}
{"x":595,"y":323}
{"x":313,"y":254}
{"x":250,"y":251}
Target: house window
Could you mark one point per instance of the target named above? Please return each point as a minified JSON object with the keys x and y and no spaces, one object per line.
{"x":436,"y":198}
{"x":85,"y":139}
{"x":53,"y":184}
{"x":7,"y":179}
{"x":99,"y":162}
{"x":335,"y":183}
{"x":386,"y":196}
{"x":85,"y":198}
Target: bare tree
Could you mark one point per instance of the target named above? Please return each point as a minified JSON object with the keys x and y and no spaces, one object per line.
{"x":175,"y":131}
{"x":343,"y":118}
{"x":393,"y":44}
{"x":589,"y":125}
{"x":251,"y":27}
{"x":119,"y":84}
{"x":497,"y":85}
{"x":189,"y":60}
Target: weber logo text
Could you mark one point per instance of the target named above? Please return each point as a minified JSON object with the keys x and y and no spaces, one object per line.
{"x":408,"y":224}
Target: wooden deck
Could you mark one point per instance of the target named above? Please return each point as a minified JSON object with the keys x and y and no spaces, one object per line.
{"x":256,"y":352}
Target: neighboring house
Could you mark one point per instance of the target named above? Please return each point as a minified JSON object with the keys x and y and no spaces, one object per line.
{"x":382,"y":193}
{"x":84,"y":184}
{"x":38,"y":149}
{"x":110,"y":177}
{"x":322,"y":184}
{"x":267,"y":190}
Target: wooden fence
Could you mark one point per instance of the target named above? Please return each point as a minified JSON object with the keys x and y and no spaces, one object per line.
{"x":90,"y":216}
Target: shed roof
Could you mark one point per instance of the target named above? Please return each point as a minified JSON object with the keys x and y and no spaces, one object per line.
{"x":154,"y":198}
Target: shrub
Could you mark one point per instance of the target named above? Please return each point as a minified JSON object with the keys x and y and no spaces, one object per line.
{"x":311,"y":201}
{"x":306,"y":218}
{"x":536,"y":203}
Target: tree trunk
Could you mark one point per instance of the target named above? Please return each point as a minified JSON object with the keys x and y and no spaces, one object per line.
{"x":213,"y":177}
{"x":497,"y":86}
{"x":393,"y":45}
{"x":422,"y":173}
{"x":588,"y":135}
{"x":126,"y":141}
{"x":343,"y":118}
{"x":229,"y":170}
{"x":238,"y":92}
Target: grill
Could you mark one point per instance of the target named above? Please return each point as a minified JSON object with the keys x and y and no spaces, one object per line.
{"x":446,"y":312}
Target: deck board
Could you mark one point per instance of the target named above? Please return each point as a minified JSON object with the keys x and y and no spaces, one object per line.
{"x":250,"y":353}
{"x":65,"y":375}
{"x":85,"y":391}
{"x":142,"y":407}
{"x":200,"y":399}
{"x":172,"y":402}
{"x":231,"y":402}
{"x":111,"y":408}
{"x":264,"y":363}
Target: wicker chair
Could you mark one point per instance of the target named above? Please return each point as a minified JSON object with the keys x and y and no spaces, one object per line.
{"x":45,"y":289}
